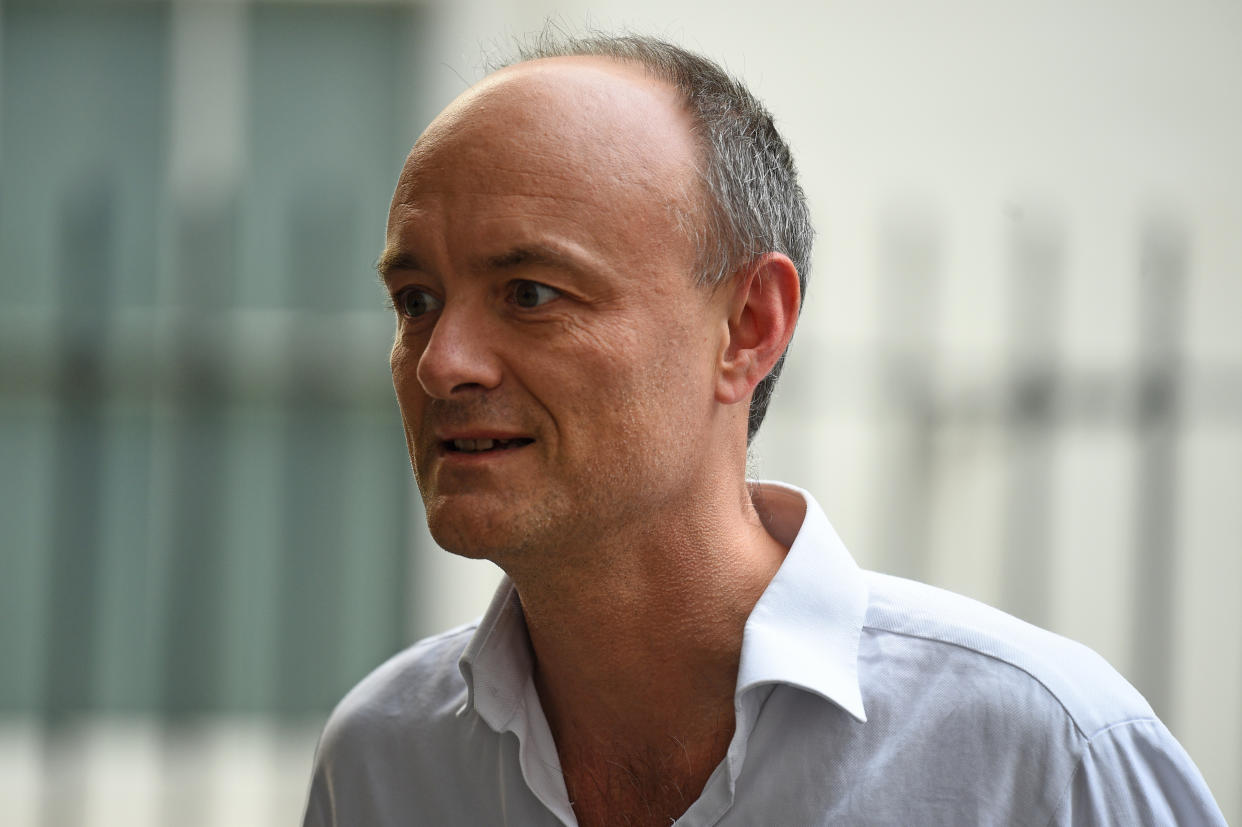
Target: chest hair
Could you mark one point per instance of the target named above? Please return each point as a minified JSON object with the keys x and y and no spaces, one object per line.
{"x":651,"y":786}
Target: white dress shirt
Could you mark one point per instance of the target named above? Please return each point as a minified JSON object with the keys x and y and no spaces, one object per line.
{"x":861,"y":699}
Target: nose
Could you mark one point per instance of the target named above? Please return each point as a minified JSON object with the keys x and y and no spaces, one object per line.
{"x":460,"y":355}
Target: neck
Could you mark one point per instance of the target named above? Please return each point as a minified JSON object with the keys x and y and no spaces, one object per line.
{"x":637,"y":639}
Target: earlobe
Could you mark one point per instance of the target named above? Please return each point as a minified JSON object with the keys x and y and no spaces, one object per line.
{"x":763,"y":311}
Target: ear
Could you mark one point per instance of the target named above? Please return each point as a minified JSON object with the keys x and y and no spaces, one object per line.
{"x":763,"y":311}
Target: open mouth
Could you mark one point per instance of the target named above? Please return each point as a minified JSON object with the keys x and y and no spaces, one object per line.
{"x":476,"y":446}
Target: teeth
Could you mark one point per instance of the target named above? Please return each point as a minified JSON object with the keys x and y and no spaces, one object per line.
{"x":474,"y":444}
{"x":486,"y":444}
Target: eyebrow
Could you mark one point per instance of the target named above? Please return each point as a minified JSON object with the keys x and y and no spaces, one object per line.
{"x":391,"y":260}
{"x":537,"y":255}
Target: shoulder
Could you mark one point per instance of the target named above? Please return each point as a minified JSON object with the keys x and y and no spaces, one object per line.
{"x":942,"y":674}
{"x":410,"y":691}
{"x":380,"y":749}
{"x":1055,"y":677}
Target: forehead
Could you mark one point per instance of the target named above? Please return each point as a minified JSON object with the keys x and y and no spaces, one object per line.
{"x":569,"y":109}
{"x":572,"y":137}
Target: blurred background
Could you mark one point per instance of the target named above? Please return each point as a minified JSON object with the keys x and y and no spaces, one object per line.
{"x":1018,"y":374}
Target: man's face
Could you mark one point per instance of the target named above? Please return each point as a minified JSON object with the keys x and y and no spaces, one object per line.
{"x":554,"y":358}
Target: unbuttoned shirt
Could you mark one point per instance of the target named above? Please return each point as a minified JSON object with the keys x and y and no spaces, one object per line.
{"x":861,"y":699}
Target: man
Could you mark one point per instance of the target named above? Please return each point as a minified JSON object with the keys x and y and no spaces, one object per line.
{"x":596,"y":257}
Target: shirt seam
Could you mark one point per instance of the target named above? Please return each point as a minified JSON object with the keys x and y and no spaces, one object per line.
{"x":1143,"y":719}
{"x":555,"y":769}
{"x":1082,"y":733}
{"x":1086,"y":748}
{"x":731,"y":783}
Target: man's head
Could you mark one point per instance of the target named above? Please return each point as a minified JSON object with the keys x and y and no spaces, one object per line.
{"x":563,"y":365}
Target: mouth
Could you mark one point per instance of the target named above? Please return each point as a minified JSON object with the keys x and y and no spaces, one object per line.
{"x":484,"y":445}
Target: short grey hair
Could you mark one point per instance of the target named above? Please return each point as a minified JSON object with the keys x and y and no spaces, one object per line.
{"x":754,"y":202}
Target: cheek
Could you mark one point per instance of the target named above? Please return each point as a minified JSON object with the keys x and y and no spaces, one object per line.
{"x":409,"y":392}
{"x":403,"y":360}
{"x":637,"y":372}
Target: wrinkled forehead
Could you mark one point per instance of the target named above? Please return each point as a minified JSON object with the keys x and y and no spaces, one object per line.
{"x":584,"y":122}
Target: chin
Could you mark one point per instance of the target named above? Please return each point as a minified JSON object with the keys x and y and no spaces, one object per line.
{"x":502,"y":525}
{"x":475,"y":533}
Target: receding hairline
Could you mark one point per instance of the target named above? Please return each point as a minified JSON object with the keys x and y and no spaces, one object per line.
{"x":620,"y":68}
{"x":696,"y":193}
{"x":455,"y":118}
{"x":676,"y":174}
{"x":609,"y":64}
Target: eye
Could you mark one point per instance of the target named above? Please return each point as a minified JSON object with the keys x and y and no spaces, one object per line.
{"x":532,"y":293}
{"x":413,"y":302}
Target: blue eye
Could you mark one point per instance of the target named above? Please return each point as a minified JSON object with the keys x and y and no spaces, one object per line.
{"x":532,"y":293}
{"x":413,"y":302}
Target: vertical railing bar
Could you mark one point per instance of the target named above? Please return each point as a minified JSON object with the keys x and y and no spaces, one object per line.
{"x":1157,"y":421}
{"x":87,"y":311}
{"x":320,"y":232}
{"x":1028,"y":420}
{"x":910,"y":287}
{"x":191,"y":645}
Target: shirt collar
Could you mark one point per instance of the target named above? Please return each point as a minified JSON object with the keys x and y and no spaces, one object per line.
{"x":806,"y":628}
{"x":497,"y":661}
{"x":804,"y":631}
